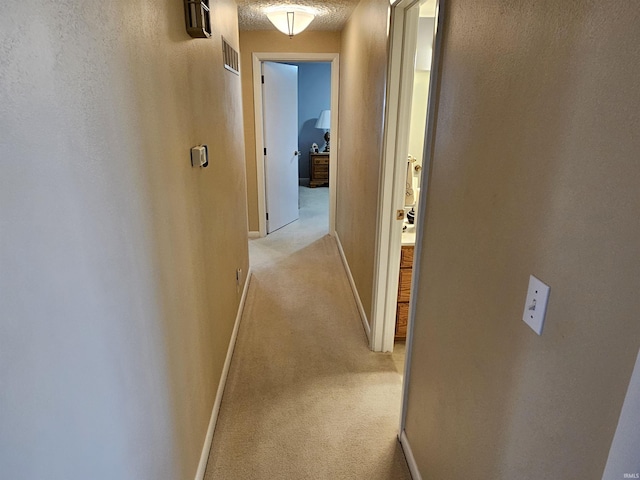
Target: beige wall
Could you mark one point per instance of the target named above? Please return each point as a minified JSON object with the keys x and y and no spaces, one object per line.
{"x":535,"y":172}
{"x":272,"y":42}
{"x":363,"y":71}
{"x":419,"y":113}
{"x":117,"y":258}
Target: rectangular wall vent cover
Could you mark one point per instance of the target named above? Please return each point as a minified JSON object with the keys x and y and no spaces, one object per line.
{"x":230,"y":57}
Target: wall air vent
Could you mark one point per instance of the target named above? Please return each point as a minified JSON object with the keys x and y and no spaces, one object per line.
{"x":230,"y":57}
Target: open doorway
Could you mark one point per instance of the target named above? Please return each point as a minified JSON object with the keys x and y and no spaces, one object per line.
{"x":314,"y":123}
{"x":314,"y":127}
{"x":419,"y":36}
{"x":412,"y":71}
{"x":296,"y":111}
{"x":304,"y":158}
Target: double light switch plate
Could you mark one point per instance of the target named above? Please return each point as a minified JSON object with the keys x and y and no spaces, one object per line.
{"x":535,"y":306}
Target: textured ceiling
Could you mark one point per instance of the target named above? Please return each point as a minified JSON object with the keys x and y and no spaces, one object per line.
{"x":330,"y":14}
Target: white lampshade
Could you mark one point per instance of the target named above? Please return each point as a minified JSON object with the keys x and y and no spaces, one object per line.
{"x":290,"y":20}
{"x":324,"y":120}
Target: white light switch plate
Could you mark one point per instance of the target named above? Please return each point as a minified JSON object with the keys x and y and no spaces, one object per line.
{"x":535,"y":307}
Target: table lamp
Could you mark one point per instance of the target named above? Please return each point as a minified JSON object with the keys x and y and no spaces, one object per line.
{"x":324,"y":123}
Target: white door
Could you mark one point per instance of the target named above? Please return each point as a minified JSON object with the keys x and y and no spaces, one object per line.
{"x":280,"y":107}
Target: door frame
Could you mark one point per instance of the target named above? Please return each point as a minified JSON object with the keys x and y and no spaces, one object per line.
{"x":393,"y":171}
{"x":402,"y":47}
{"x":257,"y":59}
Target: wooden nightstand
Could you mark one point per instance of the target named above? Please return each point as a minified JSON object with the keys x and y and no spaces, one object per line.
{"x":319,"y":169}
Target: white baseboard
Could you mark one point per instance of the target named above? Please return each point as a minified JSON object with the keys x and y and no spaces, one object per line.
{"x":204,"y":456}
{"x":254,"y":234}
{"x":408,"y":454}
{"x":363,"y":315}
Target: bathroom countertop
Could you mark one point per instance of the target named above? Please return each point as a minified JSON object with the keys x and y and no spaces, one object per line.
{"x":409,"y":235}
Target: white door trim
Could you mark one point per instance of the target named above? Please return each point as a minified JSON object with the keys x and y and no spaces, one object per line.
{"x":408,"y":455}
{"x":403,"y":40}
{"x":213,"y":420}
{"x":258,"y":58}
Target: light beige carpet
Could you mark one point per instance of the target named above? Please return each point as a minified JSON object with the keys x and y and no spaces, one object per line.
{"x":305,"y":398}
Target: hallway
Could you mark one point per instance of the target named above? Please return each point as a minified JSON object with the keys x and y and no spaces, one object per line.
{"x":305,"y":398}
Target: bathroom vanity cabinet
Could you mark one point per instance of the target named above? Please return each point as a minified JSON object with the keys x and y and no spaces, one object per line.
{"x":404,"y":291}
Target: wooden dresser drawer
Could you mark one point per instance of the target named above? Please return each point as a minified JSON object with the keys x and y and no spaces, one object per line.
{"x":402,"y":317}
{"x":321,"y":171}
{"x":318,"y":169}
{"x":406,"y":258}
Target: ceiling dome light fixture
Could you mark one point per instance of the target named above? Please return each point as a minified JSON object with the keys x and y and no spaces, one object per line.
{"x":290,"y":19}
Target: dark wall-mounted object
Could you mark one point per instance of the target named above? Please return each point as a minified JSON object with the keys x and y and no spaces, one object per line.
{"x":200,"y":156}
{"x":197,"y":16}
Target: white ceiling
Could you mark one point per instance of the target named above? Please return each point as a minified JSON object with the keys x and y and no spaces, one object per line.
{"x":331,"y":14}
